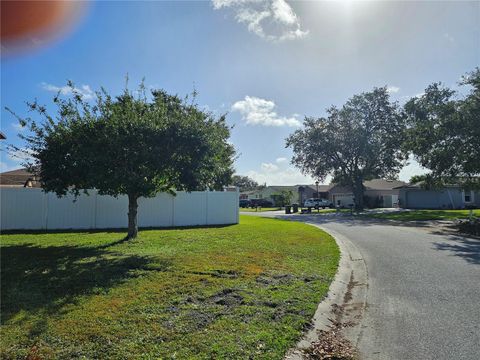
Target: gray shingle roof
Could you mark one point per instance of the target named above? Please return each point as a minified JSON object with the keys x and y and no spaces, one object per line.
{"x":382,"y":184}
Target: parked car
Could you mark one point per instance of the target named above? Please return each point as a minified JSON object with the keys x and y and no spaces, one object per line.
{"x":317,"y":203}
{"x":261,"y":203}
{"x":244,"y":203}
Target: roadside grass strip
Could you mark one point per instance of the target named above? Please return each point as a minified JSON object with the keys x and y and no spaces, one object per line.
{"x":260,"y":209}
{"x":228,"y":292}
{"x":420,"y":215}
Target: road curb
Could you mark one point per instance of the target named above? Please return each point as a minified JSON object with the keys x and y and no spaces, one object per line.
{"x":347,"y":291}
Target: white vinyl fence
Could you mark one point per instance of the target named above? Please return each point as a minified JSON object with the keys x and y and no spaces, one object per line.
{"x":32,"y":209}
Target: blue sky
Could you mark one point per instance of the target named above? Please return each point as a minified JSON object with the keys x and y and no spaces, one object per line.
{"x":267,"y":64}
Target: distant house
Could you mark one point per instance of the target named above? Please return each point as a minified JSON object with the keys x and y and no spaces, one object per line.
{"x":310,"y":191}
{"x":414,"y":196}
{"x":341,"y":196}
{"x":268,"y":193}
{"x":377,"y":193}
{"x":19,"y":178}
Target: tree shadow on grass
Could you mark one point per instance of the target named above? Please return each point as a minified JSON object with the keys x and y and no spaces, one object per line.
{"x":466,"y":248}
{"x":45,"y":279}
{"x":110,"y":230}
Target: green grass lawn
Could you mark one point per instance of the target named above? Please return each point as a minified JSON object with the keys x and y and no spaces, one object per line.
{"x":329,"y":211}
{"x":233,"y":292}
{"x":322,"y":211}
{"x":260,"y":209}
{"x":416,"y":215}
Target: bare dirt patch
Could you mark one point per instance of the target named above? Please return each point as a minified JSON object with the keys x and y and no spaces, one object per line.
{"x":331,"y":343}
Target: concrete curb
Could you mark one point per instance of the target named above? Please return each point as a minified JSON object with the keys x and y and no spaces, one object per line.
{"x":348,"y":291}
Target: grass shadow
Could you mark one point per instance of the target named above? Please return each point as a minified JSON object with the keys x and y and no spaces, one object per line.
{"x":45,"y":279}
{"x":108,"y":230}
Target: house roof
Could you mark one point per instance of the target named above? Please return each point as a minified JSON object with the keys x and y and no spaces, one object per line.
{"x":421,"y":186}
{"x":19,"y":177}
{"x":321,"y":187}
{"x":283,"y":187}
{"x":375,"y":184}
{"x":382,"y":184}
{"x":2,"y":136}
{"x":340,"y":189}
{"x":249,"y":192}
{"x":278,"y":188}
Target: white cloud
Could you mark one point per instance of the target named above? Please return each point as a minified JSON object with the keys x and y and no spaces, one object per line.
{"x":288,"y":176}
{"x":218,"y":4}
{"x":6,"y":167}
{"x":278,"y":174}
{"x":272,"y":20}
{"x":413,"y":168}
{"x":85,"y":91}
{"x":257,"y":111}
{"x":269,"y":167}
{"x":13,"y":159}
{"x":20,"y":155}
{"x":393,"y":89}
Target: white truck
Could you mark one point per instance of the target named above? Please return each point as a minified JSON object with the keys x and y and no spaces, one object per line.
{"x":317,"y":203}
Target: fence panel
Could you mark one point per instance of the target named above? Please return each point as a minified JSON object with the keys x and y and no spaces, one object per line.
{"x":190,"y":208}
{"x":23,"y":209}
{"x":111,"y":212}
{"x":65,"y":213}
{"x":222,"y":208}
{"x":32,"y":209}
{"x":156,"y":212}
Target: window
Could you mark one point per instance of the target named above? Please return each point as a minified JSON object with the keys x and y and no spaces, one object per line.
{"x":468,"y":196}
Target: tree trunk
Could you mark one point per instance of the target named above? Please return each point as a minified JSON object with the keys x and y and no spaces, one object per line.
{"x":132,"y":216}
{"x":358,"y":193}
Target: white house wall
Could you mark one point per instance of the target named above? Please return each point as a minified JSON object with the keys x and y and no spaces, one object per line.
{"x":32,"y":209}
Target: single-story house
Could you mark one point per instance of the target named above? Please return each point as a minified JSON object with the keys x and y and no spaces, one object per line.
{"x":310,"y":191}
{"x":414,"y":196}
{"x":268,"y":193}
{"x":19,"y":178}
{"x":377,"y":193}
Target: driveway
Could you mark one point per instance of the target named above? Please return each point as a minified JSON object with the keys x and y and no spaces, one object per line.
{"x":423,"y":297}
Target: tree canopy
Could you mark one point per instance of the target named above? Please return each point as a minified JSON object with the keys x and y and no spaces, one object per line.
{"x":283,"y":198}
{"x":244,"y":183}
{"x":359,"y":141}
{"x":136,"y":144}
{"x":444,"y":133}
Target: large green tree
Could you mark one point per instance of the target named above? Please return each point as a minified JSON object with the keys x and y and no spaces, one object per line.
{"x":244,"y":183}
{"x":136,"y":144}
{"x":359,"y":141}
{"x":444,"y":132}
{"x":283,"y":198}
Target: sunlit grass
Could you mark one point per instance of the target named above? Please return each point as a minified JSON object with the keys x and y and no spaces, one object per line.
{"x":260,"y":209}
{"x":425,"y":215}
{"x":234,"y":292}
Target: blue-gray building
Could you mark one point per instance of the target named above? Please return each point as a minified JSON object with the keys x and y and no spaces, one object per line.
{"x":413,"y":196}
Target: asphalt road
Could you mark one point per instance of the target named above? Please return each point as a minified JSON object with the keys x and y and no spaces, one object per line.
{"x":423,"y":298}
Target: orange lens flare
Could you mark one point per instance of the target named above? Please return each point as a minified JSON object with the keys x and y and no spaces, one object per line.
{"x":26,"y":25}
